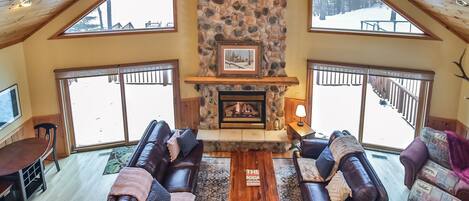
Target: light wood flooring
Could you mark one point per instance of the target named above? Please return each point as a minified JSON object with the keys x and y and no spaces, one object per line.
{"x":82,"y":179}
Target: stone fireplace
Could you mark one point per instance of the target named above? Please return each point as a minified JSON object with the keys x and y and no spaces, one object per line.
{"x":241,"y":109}
{"x":262,"y":21}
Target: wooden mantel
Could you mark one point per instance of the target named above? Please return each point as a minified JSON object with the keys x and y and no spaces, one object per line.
{"x":287,"y":81}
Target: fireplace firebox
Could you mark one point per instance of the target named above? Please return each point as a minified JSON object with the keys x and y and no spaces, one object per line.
{"x":242,"y":109}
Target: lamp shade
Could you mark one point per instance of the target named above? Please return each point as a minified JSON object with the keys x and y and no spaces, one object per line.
{"x":300,"y":111}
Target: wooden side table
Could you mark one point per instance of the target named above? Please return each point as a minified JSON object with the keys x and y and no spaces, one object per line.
{"x":297,"y":133}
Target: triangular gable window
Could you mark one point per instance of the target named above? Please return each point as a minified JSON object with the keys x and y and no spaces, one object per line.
{"x":109,"y":16}
{"x":367,"y":16}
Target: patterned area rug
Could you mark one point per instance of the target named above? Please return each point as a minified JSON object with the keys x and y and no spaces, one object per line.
{"x":118,"y":159}
{"x":214,"y":180}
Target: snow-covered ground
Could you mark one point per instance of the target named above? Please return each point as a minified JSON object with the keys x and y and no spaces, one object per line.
{"x":97,"y":109}
{"x":137,"y":13}
{"x":338,"y":108}
{"x":352,"y":20}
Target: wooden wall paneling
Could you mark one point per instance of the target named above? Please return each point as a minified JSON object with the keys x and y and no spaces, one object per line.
{"x":61,"y":140}
{"x":290,"y":109}
{"x":439,"y":123}
{"x":24,"y":131}
{"x":462,"y":129}
{"x":190,"y":115}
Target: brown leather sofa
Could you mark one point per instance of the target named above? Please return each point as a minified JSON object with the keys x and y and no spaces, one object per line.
{"x":152,"y":155}
{"x":358,"y":172}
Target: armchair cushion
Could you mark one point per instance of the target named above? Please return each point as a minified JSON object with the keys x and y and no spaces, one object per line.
{"x":437,"y":145}
{"x":439,"y":176}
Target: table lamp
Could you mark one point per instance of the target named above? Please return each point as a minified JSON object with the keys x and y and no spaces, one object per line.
{"x":301,"y":113}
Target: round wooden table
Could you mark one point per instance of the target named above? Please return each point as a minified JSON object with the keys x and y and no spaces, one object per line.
{"x":22,"y":158}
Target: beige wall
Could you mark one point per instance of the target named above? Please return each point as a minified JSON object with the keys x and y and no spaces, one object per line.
{"x":463,"y":113}
{"x":13,"y":71}
{"x":43,"y":55}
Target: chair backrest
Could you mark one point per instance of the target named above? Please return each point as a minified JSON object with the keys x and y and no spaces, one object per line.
{"x":50,"y":132}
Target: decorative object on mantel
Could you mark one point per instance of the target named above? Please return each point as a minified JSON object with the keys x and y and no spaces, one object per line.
{"x":239,"y":58}
{"x":301,"y":113}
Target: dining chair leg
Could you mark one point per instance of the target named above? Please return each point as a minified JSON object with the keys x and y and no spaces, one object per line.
{"x":54,"y":157}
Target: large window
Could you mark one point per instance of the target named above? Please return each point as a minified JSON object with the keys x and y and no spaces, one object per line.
{"x":115,"y":16}
{"x":384,"y":108}
{"x":366,"y":16}
{"x":111,"y":106}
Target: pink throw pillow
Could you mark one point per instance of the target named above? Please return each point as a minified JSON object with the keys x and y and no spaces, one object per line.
{"x":173,"y":146}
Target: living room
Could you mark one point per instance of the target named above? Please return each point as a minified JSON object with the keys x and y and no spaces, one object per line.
{"x":258,"y":88}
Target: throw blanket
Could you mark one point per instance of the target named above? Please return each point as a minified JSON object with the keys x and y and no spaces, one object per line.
{"x":341,"y":147}
{"x":459,"y":155}
{"x":135,"y":182}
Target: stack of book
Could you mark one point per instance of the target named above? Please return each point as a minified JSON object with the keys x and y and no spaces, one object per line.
{"x":252,"y":177}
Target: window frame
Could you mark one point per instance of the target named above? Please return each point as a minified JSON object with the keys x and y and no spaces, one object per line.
{"x":427,"y":34}
{"x":62,"y":35}
{"x":424,"y":102}
{"x":64,"y":102}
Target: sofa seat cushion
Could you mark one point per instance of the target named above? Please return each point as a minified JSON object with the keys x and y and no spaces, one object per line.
{"x":308,"y":170}
{"x":440,"y":176}
{"x":180,"y":179}
{"x":358,"y":179}
{"x":314,"y":191}
{"x":422,"y":191}
{"x":193,"y":159}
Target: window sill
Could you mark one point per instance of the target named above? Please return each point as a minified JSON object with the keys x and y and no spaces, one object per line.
{"x":111,"y":33}
{"x":378,"y":34}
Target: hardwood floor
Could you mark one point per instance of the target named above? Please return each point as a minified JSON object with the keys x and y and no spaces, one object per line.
{"x":82,"y":179}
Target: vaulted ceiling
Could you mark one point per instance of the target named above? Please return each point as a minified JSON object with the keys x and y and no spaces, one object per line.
{"x":455,"y":17}
{"x":18,"y":23}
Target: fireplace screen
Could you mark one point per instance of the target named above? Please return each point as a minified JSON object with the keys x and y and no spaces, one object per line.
{"x":244,"y":109}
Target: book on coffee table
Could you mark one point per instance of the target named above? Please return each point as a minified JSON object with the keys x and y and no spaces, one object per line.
{"x":252,"y":177}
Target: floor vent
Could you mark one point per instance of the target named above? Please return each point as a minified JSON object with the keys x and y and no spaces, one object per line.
{"x":379,"y":156}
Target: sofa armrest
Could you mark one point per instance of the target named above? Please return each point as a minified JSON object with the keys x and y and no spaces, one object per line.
{"x":413,"y":158}
{"x":312,"y":148}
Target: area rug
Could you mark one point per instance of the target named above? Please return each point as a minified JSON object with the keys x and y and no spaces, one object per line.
{"x":118,"y":159}
{"x":213,"y":183}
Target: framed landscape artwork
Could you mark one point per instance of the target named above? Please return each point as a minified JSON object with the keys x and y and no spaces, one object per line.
{"x":10,"y":109}
{"x":239,"y":59}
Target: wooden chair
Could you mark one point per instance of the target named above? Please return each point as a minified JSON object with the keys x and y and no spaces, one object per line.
{"x":51,"y":137}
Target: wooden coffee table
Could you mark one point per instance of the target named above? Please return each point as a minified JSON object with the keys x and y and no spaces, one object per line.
{"x":261,"y":160}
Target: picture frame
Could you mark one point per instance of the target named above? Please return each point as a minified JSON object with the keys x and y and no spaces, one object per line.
{"x":10,"y":105}
{"x":239,"y":58}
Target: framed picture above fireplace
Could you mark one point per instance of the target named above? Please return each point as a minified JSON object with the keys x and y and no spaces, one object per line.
{"x":239,"y":58}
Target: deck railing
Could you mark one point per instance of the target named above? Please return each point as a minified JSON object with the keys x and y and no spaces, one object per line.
{"x":401,"y":94}
{"x":150,"y":77}
{"x":326,"y":78}
{"x":377,"y":25}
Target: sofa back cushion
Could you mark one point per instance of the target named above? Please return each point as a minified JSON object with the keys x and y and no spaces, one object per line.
{"x":437,"y":145}
{"x":154,"y":159}
{"x":358,"y":180}
{"x":160,"y":134}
